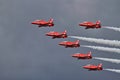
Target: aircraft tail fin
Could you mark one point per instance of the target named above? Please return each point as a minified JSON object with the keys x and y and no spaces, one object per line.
{"x":100,"y":65}
{"x":77,"y":41}
{"x":98,"y":24}
{"x":89,"y":53}
{"x":51,"y":20}
{"x":65,"y":32}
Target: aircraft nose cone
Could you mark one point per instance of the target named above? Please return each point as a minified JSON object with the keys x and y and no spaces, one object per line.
{"x":61,"y":43}
{"x":84,"y":66}
{"x":32,"y":22}
{"x":80,"y":24}
{"x":47,"y":34}
{"x":73,"y":55}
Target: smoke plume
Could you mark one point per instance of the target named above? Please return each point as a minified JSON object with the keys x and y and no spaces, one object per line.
{"x":100,"y":41}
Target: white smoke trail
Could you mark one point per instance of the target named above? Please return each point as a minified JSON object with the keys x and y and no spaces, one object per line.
{"x":100,"y":41}
{"x":112,"y":28}
{"x":113,"y":70}
{"x":108,"y":59}
{"x":116,"y":50}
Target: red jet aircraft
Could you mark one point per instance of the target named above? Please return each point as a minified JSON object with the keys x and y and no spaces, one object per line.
{"x":54,"y":34}
{"x":74,"y":44}
{"x":43,"y":23}
{"x":82,"y":55}
{"x":89,"y":25}
{"x":93,"y":67}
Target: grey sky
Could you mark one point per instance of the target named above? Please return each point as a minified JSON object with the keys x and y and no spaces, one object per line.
{"x":27,"y":54}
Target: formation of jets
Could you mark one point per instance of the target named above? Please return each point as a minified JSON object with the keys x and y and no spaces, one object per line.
{"x":72,"y":44}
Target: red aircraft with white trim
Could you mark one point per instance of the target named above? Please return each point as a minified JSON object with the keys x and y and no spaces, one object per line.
{"x":92,"y":25}
{"x":74,"y":44}
{"x":43,"y":23}
{"x":93,"y":67}
{"x":54,"y":34}
{"x":82,"y":55}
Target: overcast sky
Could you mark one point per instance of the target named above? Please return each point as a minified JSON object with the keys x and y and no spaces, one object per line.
{"x":27,"y":54}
